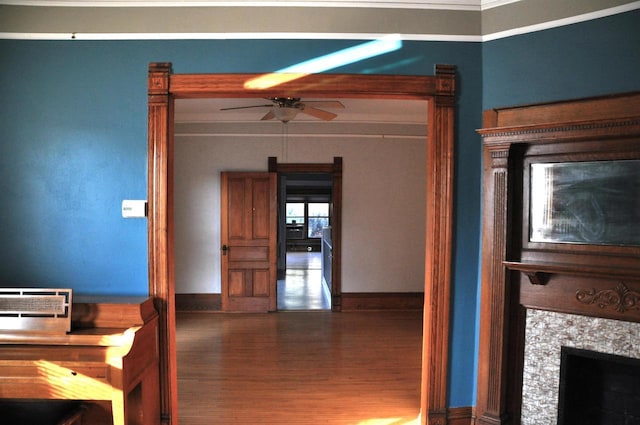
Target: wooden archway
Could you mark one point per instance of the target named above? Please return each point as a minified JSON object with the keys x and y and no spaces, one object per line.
{"x":438,"y":90}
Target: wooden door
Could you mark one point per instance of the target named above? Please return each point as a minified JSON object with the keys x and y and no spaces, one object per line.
{"x":248,"y":238}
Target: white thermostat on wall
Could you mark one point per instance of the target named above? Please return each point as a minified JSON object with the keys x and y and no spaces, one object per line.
{"x":134,"y":208}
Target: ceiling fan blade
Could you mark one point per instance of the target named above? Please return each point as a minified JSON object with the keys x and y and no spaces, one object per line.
{"x":319,"y":113}
{"x":246,"y":107}
{"x":270,"y":115}
{"x":325,"y":104}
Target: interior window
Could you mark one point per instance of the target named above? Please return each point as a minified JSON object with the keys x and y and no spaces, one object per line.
{"x":295,"y":212}
{"x":318,"y":218}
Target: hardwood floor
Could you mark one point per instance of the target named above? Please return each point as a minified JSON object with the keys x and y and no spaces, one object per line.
{"x":302,"y":288}
{"x":300,"y":368}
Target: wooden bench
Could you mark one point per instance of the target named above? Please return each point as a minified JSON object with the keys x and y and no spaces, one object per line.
{"x":110,"y":355}
{"x":20,"y":412}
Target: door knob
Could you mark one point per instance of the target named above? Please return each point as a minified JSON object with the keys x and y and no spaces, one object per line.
{"x":225,"y":249}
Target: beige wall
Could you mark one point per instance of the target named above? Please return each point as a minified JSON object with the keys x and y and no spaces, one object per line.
{"x":383,"y":204}
{"x":419,"y":20}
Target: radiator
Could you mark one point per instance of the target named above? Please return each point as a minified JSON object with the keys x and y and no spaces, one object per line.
{"x":35,"y":310}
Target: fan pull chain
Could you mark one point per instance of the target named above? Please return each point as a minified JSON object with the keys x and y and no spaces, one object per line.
{"x":285,"y":142}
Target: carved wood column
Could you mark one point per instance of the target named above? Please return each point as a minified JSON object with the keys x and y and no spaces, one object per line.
{"x":160,"y":231}
{"x":440,"y":158}
{"x":492,"y":382}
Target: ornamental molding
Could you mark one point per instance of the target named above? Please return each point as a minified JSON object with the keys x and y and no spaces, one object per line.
{"x":621,"y":298}
{"x":464,"y":5}
{"x":520,"y":131}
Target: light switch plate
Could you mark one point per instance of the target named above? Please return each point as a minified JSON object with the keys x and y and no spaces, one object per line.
{"x":134,"y":208}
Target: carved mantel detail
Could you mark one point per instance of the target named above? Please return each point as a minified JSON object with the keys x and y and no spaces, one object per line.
{"x":620,"y":298}
{"x":499,"y":158}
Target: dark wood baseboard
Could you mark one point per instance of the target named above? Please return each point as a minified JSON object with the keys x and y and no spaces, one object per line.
{"x":198,"y":302}
{"x":461,"y":416}
{"x":382,"y":301}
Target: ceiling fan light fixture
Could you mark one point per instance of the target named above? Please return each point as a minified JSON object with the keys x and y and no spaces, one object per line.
{"x":285,"y":113}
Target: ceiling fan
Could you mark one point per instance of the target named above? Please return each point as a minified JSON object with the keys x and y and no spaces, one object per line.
{"x":287,"y":108}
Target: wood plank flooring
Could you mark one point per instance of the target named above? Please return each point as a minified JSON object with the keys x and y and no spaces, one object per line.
{"x":302,"y":288}
{"x":360,"y":368}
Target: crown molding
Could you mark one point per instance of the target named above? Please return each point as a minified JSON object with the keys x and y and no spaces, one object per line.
{"x":440,"y":33}
{"x":563,"y":22}
{"x":468,"y":5}
{"x":490,"y":4}
{"x":233,"y":36}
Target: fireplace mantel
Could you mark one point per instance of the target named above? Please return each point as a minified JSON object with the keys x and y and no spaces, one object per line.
{"x":540,"y":273}
{"x":588,"y":277}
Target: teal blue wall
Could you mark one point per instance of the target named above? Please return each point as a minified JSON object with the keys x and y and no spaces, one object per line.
{"x":588,"y":59}
{"x":74,"y":139}
{"x":73,"y":143}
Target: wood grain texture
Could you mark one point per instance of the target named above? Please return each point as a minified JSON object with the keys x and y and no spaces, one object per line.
{"x":91,"y":364}
{"x":248,"y":235}
{"x":461,"y":416}
{"x":160,"y":228}
{"x":198,"y":302}
{"x":311,"y":85}
{"x":587,"y":279}
{"x":438,"y":90}
{"x":299,"y":368}
{"x":439,"y":251}
{"x":382,"y":301}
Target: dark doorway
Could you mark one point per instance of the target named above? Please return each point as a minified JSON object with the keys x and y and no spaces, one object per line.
{"x":309,"y":235}
{"x":598,"y":388}
{"x":305,"y":219}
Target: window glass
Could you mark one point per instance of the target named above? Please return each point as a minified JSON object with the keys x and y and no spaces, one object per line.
{"x":295,"y":212}
{"x":318,"y":218}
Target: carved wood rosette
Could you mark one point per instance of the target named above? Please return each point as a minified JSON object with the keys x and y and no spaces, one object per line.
{"x":620,"y":298}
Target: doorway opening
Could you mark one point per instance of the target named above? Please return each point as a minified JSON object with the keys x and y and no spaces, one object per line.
{"x":439,"y":90}
{"x":309,"y":235}
{"x":304,"y":238}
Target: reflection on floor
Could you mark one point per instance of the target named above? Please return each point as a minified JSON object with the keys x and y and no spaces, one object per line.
{"x":302,"y":287}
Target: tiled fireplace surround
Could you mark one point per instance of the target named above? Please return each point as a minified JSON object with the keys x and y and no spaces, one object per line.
{"x":545,"y":333}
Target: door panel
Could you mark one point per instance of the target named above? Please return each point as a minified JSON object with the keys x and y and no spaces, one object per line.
{"x":249,"y":253}
{"x":236,"y":283}
{"x":249,"y":237}
{"x":261,"y":283}
{"x":237,"y":220}
{"x":261,"y":202}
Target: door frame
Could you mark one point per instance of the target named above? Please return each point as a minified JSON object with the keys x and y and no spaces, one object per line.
{"x":335,"y":169}
{"x":440,"y":93}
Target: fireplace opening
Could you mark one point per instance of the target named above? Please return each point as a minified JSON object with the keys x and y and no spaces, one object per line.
{"x":598,"y":389}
